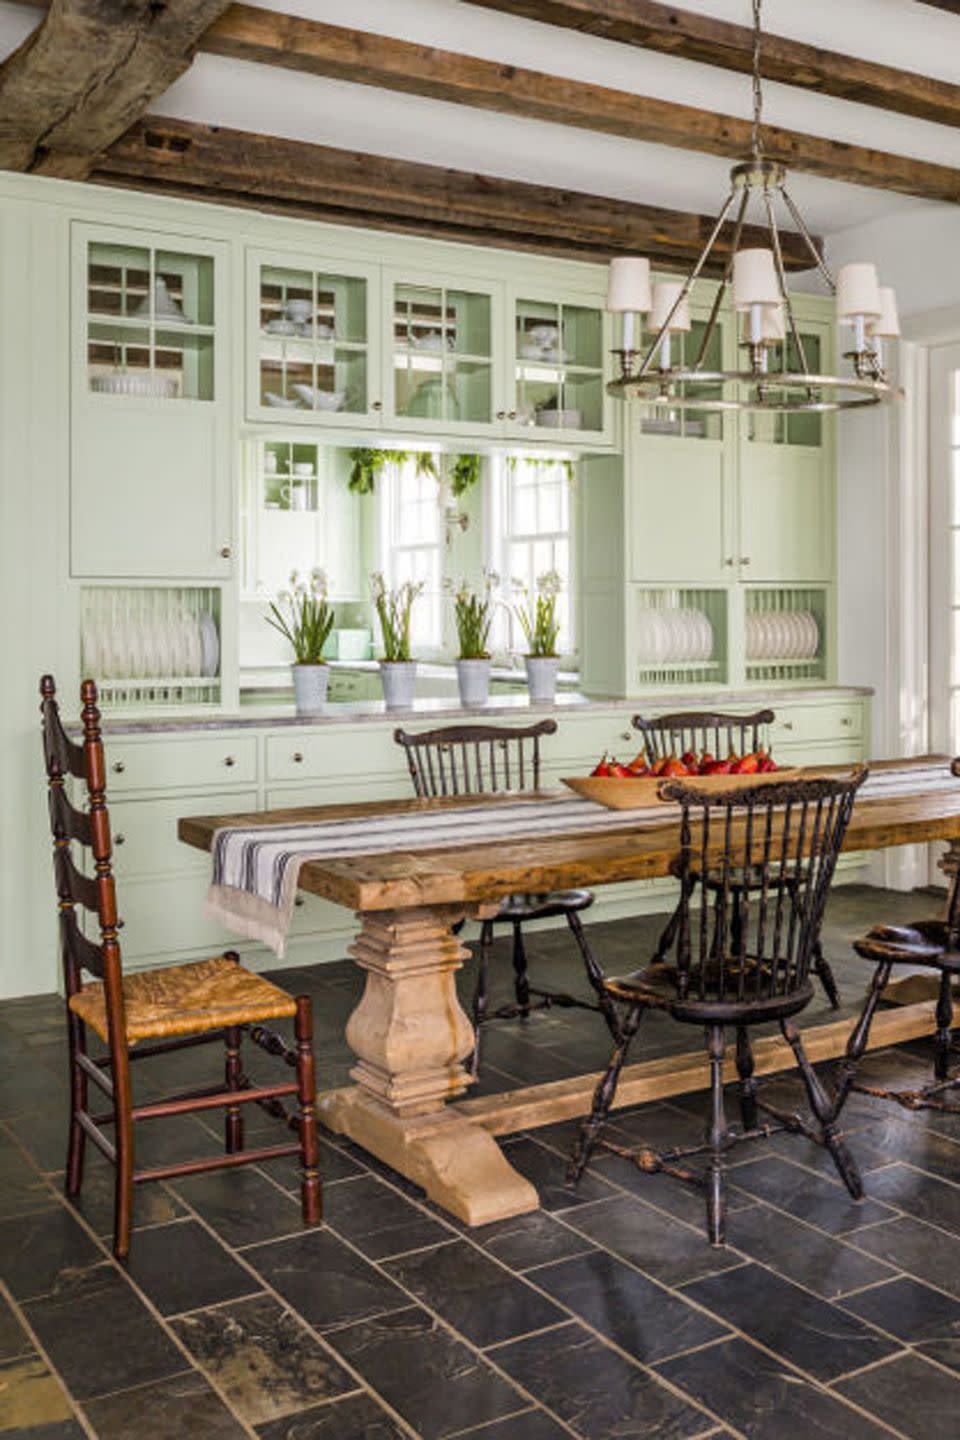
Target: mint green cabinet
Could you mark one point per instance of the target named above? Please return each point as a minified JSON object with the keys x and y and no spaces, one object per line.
{"x":557,"y":366}
{"x":150,"y":440}
{"x":785,"y":514}
{"x":683,"y":515}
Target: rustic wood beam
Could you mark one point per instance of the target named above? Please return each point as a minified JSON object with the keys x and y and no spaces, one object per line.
{"x":88,"y":71}
{"x":690,"y":36}
{"x":268,"y":173}
{"x":247,"y":32}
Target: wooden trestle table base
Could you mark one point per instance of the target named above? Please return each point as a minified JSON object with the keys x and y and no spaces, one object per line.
{"x":411,"y":1036}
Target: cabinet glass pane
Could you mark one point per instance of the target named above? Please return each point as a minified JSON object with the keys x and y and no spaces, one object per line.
{"x":150,"y":317}
{"x":786,"y":429}
{"x":289,"y":476}
{"x":443,"y":354}
{"x":313,"y":340}
{"x":691,"y":424}
{"x":559,"y":365}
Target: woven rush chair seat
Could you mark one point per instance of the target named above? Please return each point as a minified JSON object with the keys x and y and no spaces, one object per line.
{"x":186,"y":1000}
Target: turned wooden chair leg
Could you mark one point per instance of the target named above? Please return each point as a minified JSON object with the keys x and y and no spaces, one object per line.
{"x":521,"y":984}
{"x":716,"y":1137}
{"x":310,"y":1191}
{"x":824,"y":974}
{"x":480,"y":993}
{"x":603,"y":1096}
{"x":824,"y":1108}
{"x":123,"y":1176}
{"x":857,"y":1042}
{"x":667,"y":936}
{"x":233,"y":1116}
{"x":77,"y":1043}
{"x":594,"y":974}
{"x":941,"y":1063}
{"x":748,"y":1085}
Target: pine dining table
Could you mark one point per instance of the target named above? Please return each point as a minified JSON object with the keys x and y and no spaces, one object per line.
{"x":408,"y":1104}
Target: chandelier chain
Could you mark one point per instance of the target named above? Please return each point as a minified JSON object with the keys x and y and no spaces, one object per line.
{"x":756,"y":139}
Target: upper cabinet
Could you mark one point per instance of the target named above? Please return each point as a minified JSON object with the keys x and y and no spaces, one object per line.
{"x":313,"y":340}
{"x":150,"y":438}
{"x":331,"y":343}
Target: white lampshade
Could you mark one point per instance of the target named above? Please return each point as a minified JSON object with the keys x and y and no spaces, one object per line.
{"x":858,"y":292}
{"x":772,"y":328}
{"x":628,"y":285}
{"x":755,"y":279}
{"x":665,"y":295}
{"x":887,"y":325}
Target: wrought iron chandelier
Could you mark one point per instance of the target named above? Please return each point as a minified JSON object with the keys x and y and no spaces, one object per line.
{"x":758,"y":282}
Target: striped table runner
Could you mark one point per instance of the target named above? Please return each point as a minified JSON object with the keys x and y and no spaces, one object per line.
{"x":255,"y":870}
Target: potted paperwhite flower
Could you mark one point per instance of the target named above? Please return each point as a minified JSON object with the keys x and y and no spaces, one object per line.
{"x":304,"y":618}
{"x":473,"y":613}
{"x":398,"y":672}
{"x":540,"y":626}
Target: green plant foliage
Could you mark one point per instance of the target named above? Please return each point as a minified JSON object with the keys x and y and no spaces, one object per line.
{"x":305,"y":619}
{"x":367,"y":465}
{"x":464,"y":474}
{"x":393,"y":609}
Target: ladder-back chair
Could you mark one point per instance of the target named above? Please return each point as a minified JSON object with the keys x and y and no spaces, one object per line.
{"x":169,"y":1008}
{"x":470,"y":760}
{"x":741,"y":957}
{"x":706,"y":731}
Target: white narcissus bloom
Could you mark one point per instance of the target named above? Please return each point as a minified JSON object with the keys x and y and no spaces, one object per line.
{"x":550,"y":582}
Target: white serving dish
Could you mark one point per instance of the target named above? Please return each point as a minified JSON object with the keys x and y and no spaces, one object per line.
{"x":560,"y":419}
{"x":281,"y":327}
{"x":320,"y":399}
{"x":299,"y":311}
{"x":281,"y":402}
{"x":153,"y":387}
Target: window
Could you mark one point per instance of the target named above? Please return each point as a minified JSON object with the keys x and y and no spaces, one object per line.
{"x":530,"y":533}
{"x":411,"y":533}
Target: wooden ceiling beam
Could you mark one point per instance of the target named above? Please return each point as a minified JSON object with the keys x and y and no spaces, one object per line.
{"x":247,"y":32}
{"x":321,"y":183}
{"x":88,"y":71}
{"x":690,"y":36}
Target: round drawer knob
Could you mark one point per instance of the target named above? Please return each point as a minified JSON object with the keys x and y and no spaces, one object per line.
{"x":228,"y":760}
{"x":626,"y":734}
{"x":298,"y":757}
{"x":377,"y":405}
{"x":846,"y":720}
{"x":225,"y":552}
{"x":744,"y":559}
{"x":788,"y":724}
{"x":298,"y":900}
{"x":511,"y":414}
{"x":118,"y":767}
{"x":120,"y":839}
{"x":501,"y":414}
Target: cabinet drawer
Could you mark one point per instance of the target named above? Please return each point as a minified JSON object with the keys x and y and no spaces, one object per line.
{"x":334,"y":753}
{"x":168,"y":764}
{"x":145,"y":842}
{"x":843,"y":721}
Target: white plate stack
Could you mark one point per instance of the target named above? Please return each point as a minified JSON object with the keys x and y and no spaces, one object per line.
{"x":782,"y":635}
{"x":146,"y":635}
{"x":669,"y":636}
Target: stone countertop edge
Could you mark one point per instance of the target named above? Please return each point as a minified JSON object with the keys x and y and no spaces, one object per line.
{"x":270,"y":717}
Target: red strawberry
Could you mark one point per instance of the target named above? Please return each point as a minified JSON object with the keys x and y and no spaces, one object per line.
{"x":603,"y":769}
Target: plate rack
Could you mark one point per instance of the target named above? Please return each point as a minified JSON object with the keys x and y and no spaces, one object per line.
{"x":151,"y":647}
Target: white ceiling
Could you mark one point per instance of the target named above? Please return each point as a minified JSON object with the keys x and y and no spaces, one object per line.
{"x":261,"y":98}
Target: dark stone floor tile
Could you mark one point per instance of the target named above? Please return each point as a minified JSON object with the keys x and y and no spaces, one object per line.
{"x":660,"y":1246}
{"x":676,"y":1197}
{"x":357,"y":1417}
{"x":40,"y":1250}
{"x":813,"y":1198}
{"x":477,"y":1297}
{"x":531,"y":1425}
{"x":762,"y":1398}
{"x":33,"y":1402}
{"x":15,"y":1343}
{"x":918,"y":1249}
{"x":546,"y":1170}
{"x":152,"y":1204}
{"x":182,"y":1267}
{"x":166,"y":1410}
{"x":262,"y":1358}
{"x":78,"y":1328}
{"x":813,"y":1259}
{"x":895,"y":1138}
{"x":914,"y":1397}
{"x":378,"y":1220}
{"x":242,"y":1205}
{"x":596,"y":1391}
{"x":632,"y":1311}
{"x":924,"y":1318}
{"x":817,"y":1337}
{"x":323,"y":1280}
{"x":919,"y":1195}
{"x":21,"y":1188}
{"x":527,"y":1240}
{"x":426,"y":1375}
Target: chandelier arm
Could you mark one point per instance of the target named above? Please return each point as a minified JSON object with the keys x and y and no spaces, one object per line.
{"x":782,"y":280}
{"x":724,"y":282}
{"x":687,"y":285}
{"x":819,"y":261}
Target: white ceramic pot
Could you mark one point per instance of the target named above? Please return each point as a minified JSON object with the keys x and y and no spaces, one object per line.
{"x":310,"y":687}
{"x":541,"y":677}
{"x":398,"y":678}
{"x":473,"y":678}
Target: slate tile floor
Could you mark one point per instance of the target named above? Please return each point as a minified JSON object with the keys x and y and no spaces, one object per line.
{"x":605,"y":1315}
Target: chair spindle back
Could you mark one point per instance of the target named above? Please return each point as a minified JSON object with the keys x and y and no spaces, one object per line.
{"x":755,"y":869}
{"x":474,"y":759}
{"x":702,"y":730}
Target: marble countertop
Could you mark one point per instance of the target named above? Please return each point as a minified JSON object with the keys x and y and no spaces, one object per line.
{"x":274,"y":715}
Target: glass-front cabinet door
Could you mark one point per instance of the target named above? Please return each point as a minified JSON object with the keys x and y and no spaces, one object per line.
{"x":558,"y":365}
{"x":313,"y":332}
{"x":800,"y":428}
{"x":441,"y":370}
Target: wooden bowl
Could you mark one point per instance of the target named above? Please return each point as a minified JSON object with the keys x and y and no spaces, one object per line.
{"x":619,"y":794}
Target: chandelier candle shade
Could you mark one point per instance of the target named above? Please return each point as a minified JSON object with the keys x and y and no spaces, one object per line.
{"x":758,"y":283}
